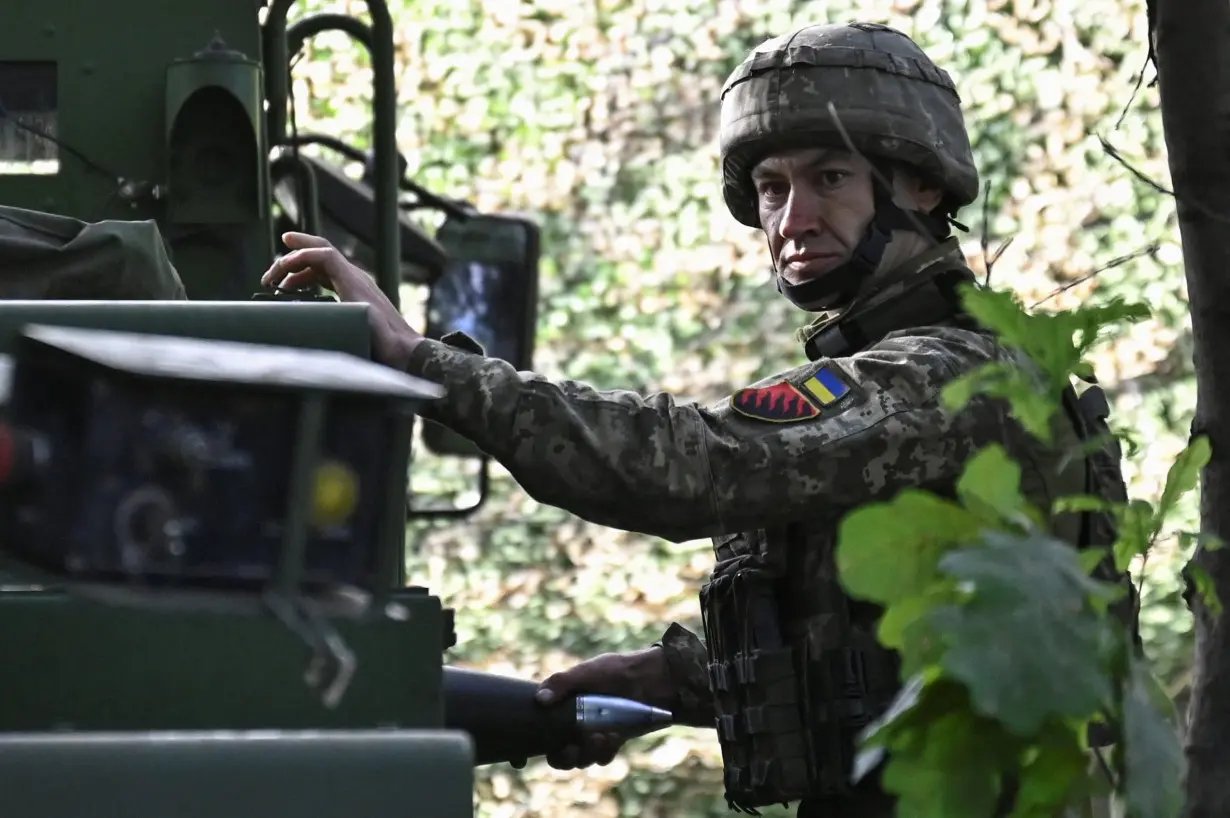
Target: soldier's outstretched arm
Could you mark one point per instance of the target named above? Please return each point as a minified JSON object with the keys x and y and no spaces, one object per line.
{"x":833,"y":432}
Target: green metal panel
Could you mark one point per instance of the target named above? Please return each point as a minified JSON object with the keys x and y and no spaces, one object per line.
{"x":318,"y":775}
{"x":111,"y":76}
{"x":111,"y":97}
{"x":338,"y":327}
{"x":85,"y":666}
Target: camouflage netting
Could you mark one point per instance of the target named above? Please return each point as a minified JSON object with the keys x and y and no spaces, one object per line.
{"x":46,"y":256}
{"x":600,"y":120}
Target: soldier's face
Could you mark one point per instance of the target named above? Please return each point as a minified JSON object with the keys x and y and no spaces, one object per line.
{"x":815,"y":204}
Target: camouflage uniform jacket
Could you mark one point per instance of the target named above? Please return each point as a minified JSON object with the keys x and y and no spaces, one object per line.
{"x":792,"y":453}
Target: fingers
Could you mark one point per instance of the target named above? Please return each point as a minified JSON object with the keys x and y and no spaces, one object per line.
{"x":606,"y":747}
{"x":296,"y":241}
{"x":599,"y":748}
{"x":555,"y":687}
{"x":308,"y":262}
{"x":602,"y":674}
{"x":301,"y":266}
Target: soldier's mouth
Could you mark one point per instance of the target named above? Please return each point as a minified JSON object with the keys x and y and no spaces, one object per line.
{"x":808,"y":266}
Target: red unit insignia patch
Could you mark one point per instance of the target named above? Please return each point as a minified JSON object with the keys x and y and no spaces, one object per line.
{"x":779,"y":403}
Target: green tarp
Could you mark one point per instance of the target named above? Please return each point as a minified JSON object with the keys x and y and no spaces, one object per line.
{"x":47,"y":256}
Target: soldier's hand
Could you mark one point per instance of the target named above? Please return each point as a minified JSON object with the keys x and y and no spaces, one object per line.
{"x":641,"y":675}
{"x":312,"y":260}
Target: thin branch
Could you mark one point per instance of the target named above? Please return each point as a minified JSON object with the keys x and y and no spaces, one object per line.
{"x":999,"y":251}
{"x":986,"y":217}
{"x":1113,"y":153}
{"x":1140,"y":78}
{"x":1147,"y":250}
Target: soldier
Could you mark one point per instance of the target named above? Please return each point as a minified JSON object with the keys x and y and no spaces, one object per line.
{"x":846,"y":146}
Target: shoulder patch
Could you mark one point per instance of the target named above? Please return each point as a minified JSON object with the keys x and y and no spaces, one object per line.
{"x":828,"y":386}
{"x":782,"y":402}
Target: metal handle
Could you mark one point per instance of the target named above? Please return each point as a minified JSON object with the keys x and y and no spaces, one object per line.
{"x":384,"y":119}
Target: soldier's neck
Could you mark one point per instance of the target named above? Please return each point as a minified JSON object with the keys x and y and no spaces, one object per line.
{"x":880,"y":307}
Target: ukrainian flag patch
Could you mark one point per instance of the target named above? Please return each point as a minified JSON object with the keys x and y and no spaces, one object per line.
{"x":827,"y":386}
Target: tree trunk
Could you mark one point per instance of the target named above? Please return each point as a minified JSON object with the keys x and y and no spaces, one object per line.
{"x":1192,"y":46}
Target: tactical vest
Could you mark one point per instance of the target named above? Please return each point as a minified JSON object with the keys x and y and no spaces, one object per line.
{"x":795,"y":669}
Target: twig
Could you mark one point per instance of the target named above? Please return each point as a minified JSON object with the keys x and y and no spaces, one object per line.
{"x":1165,"y":191}
{"x":1116,"y":262}
{"x":1113,"y":153}
{"x":1140,"y":78}
{"x":986,"y":216}
{"x":989,"y":261}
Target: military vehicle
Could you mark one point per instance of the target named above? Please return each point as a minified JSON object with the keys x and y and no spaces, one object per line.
{"x":204,"y":608}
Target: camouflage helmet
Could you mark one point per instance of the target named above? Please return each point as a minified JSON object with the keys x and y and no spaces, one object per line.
{"x":892,"y":101}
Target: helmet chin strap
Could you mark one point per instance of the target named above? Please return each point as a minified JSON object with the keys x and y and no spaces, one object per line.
{"x":839,"y":285}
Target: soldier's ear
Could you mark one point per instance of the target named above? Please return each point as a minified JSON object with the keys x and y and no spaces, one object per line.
{"x":913,"y":192}
{"x":929,"y":198}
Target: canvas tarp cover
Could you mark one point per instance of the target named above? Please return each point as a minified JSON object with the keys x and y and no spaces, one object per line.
{"x":53,"y":257}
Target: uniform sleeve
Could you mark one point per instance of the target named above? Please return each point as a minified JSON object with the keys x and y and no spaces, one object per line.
{"x":834,"y":433}
{"x":688,"y":663}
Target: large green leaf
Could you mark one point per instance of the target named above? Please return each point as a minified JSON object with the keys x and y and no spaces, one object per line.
{"x":1026,"y":641}
{"x":1056,"y":771}
{"x":889,"y":551}
{"x":946,"y":761}
{"x":1153,"y":757}
{"x":1183,"y":477}
{"x":990,"y":486}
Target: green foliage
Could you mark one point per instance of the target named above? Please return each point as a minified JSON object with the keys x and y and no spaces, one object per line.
{"x":1150,"y":758}
{"x":899,"y":544}
{"x":1140,"y":523}
{"x":1022,"y":591}
{"x":1057,"y":343}
{"x":961,"y":580}
{"x":1183,"y":477}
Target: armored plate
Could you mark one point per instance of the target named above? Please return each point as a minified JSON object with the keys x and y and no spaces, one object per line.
{"x":165,"y":356}
{"x":308,"y":774}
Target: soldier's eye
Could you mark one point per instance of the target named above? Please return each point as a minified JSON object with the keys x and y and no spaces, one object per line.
{"x":773,"y":189}
{"x":833,"y":178}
